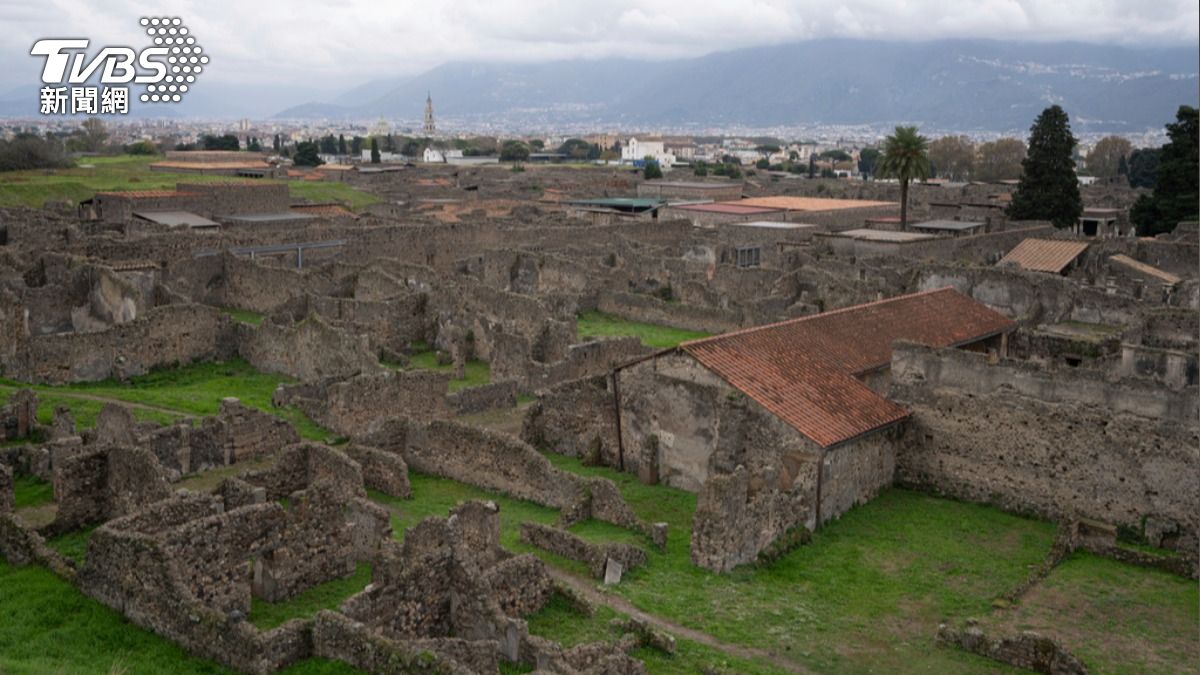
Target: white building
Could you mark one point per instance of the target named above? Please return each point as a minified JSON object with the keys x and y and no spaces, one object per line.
{"x":635,"y":151}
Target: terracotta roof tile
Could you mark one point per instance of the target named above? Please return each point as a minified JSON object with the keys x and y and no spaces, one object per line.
{"x":1044,"y":255}
{"x":804,"y":370}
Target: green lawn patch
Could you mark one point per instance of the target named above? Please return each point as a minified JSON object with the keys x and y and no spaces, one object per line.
{"x":29,"y":490}
{"x":195,"y":389}
{"x":268,"y":615}
{"x":597,"y":325}
{"x":1117,"y":618}
{"x":128,"y":172}
{"x":866,"y":594}
{"x":475,"y":372}
{"x":244,"y":315}
{"x":73,"y":545}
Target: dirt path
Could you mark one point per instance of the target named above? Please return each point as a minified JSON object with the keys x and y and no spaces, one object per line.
{"x":587,"y":589}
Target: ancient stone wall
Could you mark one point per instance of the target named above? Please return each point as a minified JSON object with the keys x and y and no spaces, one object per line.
{"x":576,"y":418}
{"x":1059,"y":444}
{"x":484,"y":397}
{"x":597,"y":557}
{"x":354,"y":406}
{"x":96,"y":484}
{"x":166,"y":336}
{"x":310,"y":349}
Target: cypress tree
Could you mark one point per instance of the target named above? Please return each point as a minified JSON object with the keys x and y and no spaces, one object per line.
{"x":1175,"y":192}
{"x":375,"y":156}
{"x":1049,"y":189}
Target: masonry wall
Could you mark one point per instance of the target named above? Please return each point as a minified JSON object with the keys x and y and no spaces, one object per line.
{"x":166,"y":336}
{"x":1059,"y":444}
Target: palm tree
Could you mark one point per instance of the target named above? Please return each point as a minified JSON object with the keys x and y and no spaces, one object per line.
{"x":905,"y":158}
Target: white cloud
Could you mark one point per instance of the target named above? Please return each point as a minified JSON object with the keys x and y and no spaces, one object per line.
{"x":345,"y":42}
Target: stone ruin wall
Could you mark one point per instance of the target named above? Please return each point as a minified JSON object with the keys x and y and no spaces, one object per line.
{"x":1061,"y":444}
{"x":356,"y":405}
{"x":307,"y":350}
{"x":165,"y":336}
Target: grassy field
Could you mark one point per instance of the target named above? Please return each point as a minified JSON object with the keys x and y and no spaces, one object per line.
{"x":128,"y":172}
{"x":49,"y":627}
{"x":1117,"y":618}
{"x":596,"y":324}
{"x":243,"y":315}
{"x":475,"y":372}
{"x":192,"y":390}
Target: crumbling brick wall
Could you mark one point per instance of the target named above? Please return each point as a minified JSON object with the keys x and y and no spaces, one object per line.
{"x":1061,"y":444}
{"x":595,"y":556}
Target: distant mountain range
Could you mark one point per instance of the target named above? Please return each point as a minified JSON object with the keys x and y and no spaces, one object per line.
{"x":954,"y":85}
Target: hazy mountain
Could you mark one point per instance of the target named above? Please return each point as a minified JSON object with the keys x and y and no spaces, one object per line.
{"x":947,"y":85}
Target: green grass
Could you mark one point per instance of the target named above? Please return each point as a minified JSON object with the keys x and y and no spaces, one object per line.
{"x":475,"y":372}
{"x":195,"y":389}
{"x":50,"y":627}
{"x":1117,"y":618}
{"x":865,"y":595}
{"x":31,"y":491}
{"x":268,"y":615}
{"x":244,"y":315}
{"x":73,"y":545}
{"x":559,"y":621}
{"x":84,"y":411}
{"x":597,"y":324}
{"x":127,"y":172}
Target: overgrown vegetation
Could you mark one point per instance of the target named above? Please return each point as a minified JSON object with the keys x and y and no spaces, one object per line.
{"x":50,"y":627}
{"x":33,"y":188}
{"x":194,"y":390}
{"x":597,"y":324}
{"x":31,"y":491}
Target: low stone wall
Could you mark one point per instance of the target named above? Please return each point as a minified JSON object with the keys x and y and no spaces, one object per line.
{"x":599,"y":558}
{"x":497,"y":461}
{"x":494,"y":396}
{"x":7,"y":496}
{"x":1061,"y":444}
{"x":648,"y":309}
{"x":339,"y":638}
{"x":1026,"y":650}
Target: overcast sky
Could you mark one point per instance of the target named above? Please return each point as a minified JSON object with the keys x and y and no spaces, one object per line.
{"x":332,"y":45}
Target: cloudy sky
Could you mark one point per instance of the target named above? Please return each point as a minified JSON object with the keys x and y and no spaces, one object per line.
{"x":332,"y":45}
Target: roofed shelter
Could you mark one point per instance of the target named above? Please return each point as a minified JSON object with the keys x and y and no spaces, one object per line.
{"x":799,"y":404}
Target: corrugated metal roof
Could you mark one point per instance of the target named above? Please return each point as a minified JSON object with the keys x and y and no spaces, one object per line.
{"x":1044,"y":255}
{"x":811,"y":203}
{"x":1149,"y":270}
{"x":804,"y":370}
{"x":948,"y":225}
{"x":145,"y":194}
{"x":176,"y":218}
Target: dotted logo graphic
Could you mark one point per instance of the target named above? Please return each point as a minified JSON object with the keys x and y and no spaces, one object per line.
{"x":185,"y":60}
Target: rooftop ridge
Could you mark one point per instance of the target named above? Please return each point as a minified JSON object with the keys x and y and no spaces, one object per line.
{"x":832,"y":312}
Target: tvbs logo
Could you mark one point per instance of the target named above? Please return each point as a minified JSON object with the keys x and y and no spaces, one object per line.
{"x":168,"y":68}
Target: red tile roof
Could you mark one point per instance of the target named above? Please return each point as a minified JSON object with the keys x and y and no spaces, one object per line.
{"x":726,"y":208}
{"x":804,"y":370}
